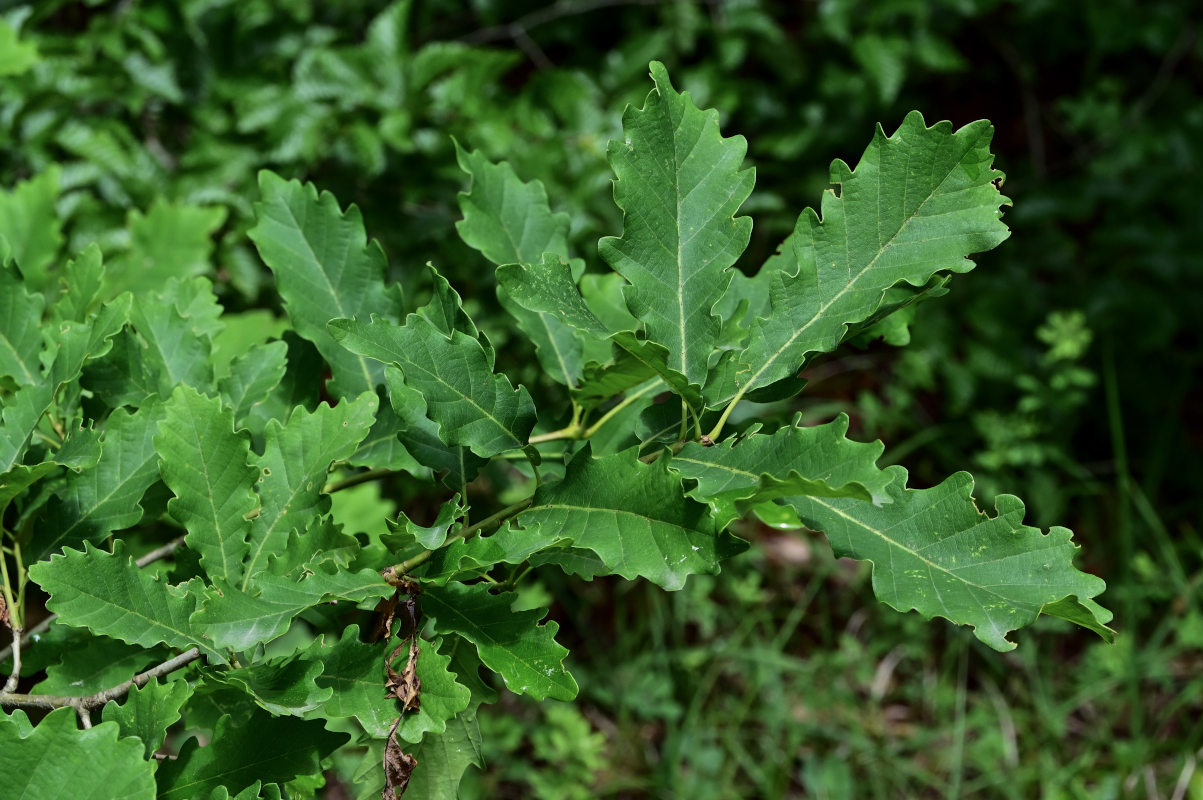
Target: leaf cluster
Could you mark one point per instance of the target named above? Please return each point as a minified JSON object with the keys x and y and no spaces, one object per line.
{"x":143,"y":413}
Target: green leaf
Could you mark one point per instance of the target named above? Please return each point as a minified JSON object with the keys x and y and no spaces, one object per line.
{"x":148,"y":712}
{"x":46,"y":761}
{"x":510,"y":643}
{"x":679,"y":184}
{"x":443,"y":759}
{"x":172,"y":324}
{"x":263,"y":748}
{"x":96,"y":502}
{"x":20,"y":330}
{"x":325,"y":269}
{"x":16,"y":56}
{"x":472,"y":406}
{"x":507,"y":220}
{"x":109,"y":595}
{"x":507,"y":545}
{"x":80,"y":282}
{"x":73,"y":345}
{"x":933,"y":551}
{"x":635,"y":516}
{"x":420,"y":435}
{"x":548,"y":287}
{"x":278,"y":685}
{"x":382,"y":447}
{"x":354,"y":673}
{"x":168,"y":241}
{"x":252,"y":377}
{"x":32,"y":226}
{"x":818,"y":461}
{"x":293,"y":468}
{"x":919,"y":202}
{"x":240,"y":621}
{"x":204,"y":463}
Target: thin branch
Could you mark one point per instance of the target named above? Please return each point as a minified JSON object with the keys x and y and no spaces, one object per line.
{"x":523,"y":25}
{"x":394,"y":574}
{"x":85,"y":705}
{"x":160,"y":552}
{"x":15,"y":648}
{"x":356,"y":479}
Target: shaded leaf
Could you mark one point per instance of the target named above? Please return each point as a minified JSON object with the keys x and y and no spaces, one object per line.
{"x":443,"y":759}
{"x":263,"y":748}
{"x":103,"y":663}
{"x":278,"y":685}
{"x":149,"y":711}
{"x":32,"y":226}
{"x":169,"y":241}
{"x":514,"y":645}
{"x":20,"y":330}
{"x":354,"y":673}
{"x":325,"y":269}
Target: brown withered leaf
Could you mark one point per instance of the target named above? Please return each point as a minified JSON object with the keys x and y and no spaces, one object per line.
{"x":4,"y":613}
{"x":405,"y":686}
{"x":398,"y":766}
{"x":386,"y":610}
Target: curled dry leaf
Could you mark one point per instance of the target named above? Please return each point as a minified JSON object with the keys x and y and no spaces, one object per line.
{"x":405,"y":686}
{"x":398,"y":766}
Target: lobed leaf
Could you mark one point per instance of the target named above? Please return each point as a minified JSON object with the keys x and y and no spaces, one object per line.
{"x":817,"y":461}
{"x":262,"y":748}
{"x":454,"y":375}
{"x":107,"y":497}
{"x":918,"y":203}
{"x":109,"y":595}
{"x":634,"y":516}
{"x":32,"y":227}
{"x":933,"y":551}
{"x":240,"y":620}
{"x":293,"y":468}
{"x":278,"y":685}
{"x":45,"y":761}
{"x":325,"y":269}
{"x":443,"y":759}
{"x":510,"y":643}
{"x":20,"y":330}
{"x":148,"y":711}
{"x":679,"y":184}
{"x":204,"y":463}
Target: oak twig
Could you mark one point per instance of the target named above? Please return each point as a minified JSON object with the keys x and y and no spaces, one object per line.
{"x":85,"y":705}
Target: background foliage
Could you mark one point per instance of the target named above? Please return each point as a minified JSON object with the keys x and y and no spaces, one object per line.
{"x":1068,"y":365}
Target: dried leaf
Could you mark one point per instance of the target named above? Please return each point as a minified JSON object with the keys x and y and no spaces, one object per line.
{"x":398,"y":766}
{"x":405,"y":686}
